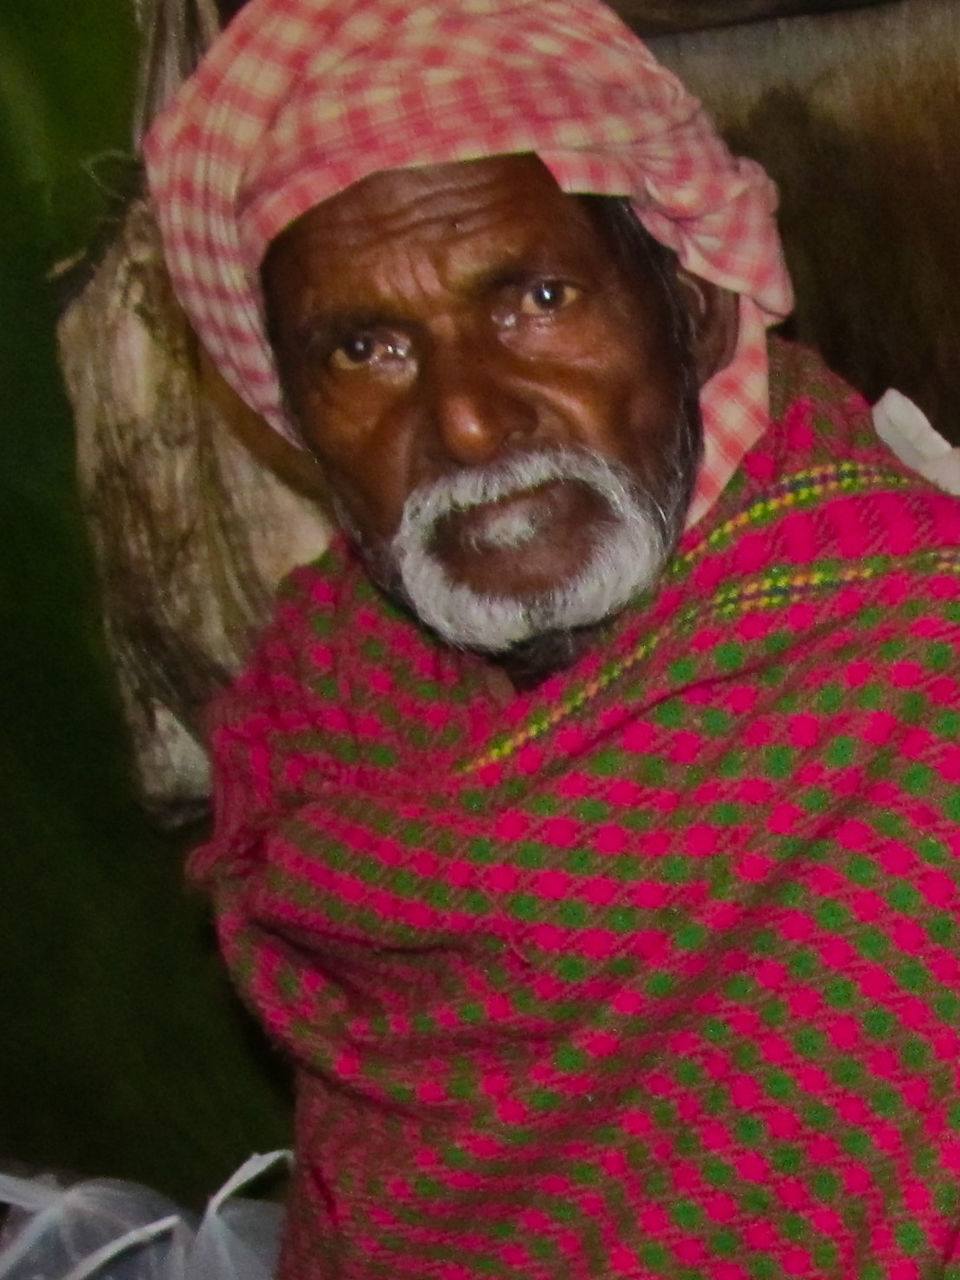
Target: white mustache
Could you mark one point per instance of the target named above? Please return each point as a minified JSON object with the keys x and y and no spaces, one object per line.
{"x":476,"y":488}
{"x":628,"y":554}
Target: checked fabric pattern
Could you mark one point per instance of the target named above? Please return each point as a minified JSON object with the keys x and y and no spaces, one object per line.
{"x":657,"y":973}
{"x":299,"y":99}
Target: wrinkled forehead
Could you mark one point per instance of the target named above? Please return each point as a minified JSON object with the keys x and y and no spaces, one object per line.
{"x":512,"y":198}
{"x":467,"y":185}
{"x":454,"y":234}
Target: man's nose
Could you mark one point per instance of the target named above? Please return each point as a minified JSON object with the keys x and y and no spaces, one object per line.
{"x":476,"y":412}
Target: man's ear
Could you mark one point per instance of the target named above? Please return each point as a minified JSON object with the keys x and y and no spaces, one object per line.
{"x":715,"y":318}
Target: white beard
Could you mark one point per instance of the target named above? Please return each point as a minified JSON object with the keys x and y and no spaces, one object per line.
{"x":629,"y":550}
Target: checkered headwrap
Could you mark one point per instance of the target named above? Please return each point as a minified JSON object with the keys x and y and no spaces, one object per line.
{"x":298,"y":99}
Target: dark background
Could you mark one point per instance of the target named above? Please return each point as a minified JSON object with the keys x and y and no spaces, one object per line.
{"x":122,"y":1052}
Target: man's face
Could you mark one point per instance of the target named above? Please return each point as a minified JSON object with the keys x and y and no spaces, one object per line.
{"x":495,"y":404}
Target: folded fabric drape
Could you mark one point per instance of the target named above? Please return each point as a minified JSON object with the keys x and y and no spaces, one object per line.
{"x":657,"y":968}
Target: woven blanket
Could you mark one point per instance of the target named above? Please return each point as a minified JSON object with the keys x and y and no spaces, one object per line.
{"x":656,"y":971}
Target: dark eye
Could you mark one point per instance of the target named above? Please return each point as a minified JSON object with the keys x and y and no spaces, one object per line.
{"x":367,"y":347}
{"x":548,"y":296}
{"x":354,"y":352}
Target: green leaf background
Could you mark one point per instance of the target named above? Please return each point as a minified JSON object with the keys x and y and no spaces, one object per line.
{"x":124,"y":1052}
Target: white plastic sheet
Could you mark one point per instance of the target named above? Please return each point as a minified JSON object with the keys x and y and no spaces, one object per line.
{"x":905,"y":428}
{"x":105,"y":1229}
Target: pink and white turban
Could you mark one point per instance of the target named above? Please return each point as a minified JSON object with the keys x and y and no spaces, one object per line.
{"x":299,"y":99}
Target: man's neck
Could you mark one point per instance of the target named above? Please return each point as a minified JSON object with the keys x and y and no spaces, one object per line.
{"x":529,"y":664}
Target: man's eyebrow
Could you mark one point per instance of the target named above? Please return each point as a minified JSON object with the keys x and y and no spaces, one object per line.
{"x":506,"y":277}
{"x":331,"y":324}
{"x":537,"y":263}
{"x":487,"y":282}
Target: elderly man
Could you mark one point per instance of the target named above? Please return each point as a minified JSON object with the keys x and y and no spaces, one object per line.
{"x":588,"y":819}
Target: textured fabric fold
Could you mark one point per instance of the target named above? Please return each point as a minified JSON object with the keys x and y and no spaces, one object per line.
{"x":656,"y":971}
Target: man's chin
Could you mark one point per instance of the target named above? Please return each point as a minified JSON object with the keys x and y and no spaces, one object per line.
{"x":497,"y":623}
{"x":462,"y":613}
{"x":527,"y":660}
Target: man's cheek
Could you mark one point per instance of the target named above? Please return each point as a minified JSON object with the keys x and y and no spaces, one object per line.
{"x":365,"y":504}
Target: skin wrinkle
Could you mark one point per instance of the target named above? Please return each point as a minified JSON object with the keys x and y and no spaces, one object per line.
{"x":436,"y":268}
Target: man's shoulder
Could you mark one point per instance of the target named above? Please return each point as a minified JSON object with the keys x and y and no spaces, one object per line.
{"x":817,"y":416}
{"x":822,"y":435}
{"x":821,"y":489}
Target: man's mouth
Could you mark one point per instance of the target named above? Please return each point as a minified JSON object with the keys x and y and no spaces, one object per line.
{"x":516,"y":519}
